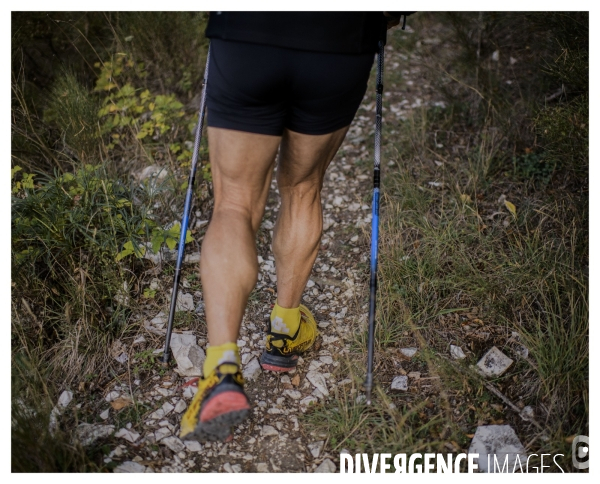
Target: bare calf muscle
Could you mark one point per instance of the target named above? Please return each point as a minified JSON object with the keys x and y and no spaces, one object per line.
{"x":302,"y":165}
{"x":241,"y":165}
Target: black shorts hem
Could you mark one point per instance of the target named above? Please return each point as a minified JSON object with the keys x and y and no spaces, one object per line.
{"x":245,"y":127}
{"x":252,"y":128}
{"x":249,"y":128}
{"x":321,"y":131}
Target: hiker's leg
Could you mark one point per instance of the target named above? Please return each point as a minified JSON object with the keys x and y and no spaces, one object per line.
{"x":297,"y":235}
{"x":241,"y":165}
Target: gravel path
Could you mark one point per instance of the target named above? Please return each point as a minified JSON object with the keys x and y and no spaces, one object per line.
{"x":273,"y":439}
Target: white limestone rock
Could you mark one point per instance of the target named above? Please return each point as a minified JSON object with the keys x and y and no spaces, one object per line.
{"x":498,"y":443}
{"x":305,"y":402}
{"x":173,"y":443}
{"x":268,"y":431}
{"x":188,"y":355}
{"x":494,"y":363}
{"x":316,"y":448}
{"x":262,"y":467}
{"x":181,"y":406}
{"x":157,"y":324}
{"x":129,"y":435}
{"x":193,"y":445}
{"x":409,"y":352}
{"x":327,"y":466}
{"x":161,"y":433}
{"x":65,"y":398}
{"x":112,"y":396}
{"x":293,"y":394}
{"x":130,"y":467}
{"x":400,"y":383}
{"x":87,"y":434}
{"x":192,"y":258}
{"x":152,"y":171}
{"x":252,"y":370}
{"x":457,"y":353}
{"x":318,"y":381}
{"x":185,"y":302}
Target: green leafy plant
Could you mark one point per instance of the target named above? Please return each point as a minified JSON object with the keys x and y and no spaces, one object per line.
{"x":129,"y":110}
{"x":145,"y":360}
{"x":71,"y":234}
{"x":534,"y":166}
{"x":160,"y":236}
{"x":25,"y":182}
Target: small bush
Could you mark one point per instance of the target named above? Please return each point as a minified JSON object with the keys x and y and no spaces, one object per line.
{"x":66,"y":233}
{"x":134,"y":112}
{"x":564,"y":134}
{"x":73,"y":236}
{"x":73,"y":110}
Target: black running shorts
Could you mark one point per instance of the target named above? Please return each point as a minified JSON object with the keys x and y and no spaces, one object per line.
{"x":264,"y":89}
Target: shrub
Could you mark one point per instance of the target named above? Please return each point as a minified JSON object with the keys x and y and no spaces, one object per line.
{"x":71,"y":238}
{"x":127,"y":110}
{"x":73,"y":109}
{"x":564,"y":133}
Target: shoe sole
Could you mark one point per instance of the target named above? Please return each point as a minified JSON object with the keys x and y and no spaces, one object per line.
{"x":218,"y":416}
{"x":278,"y":363}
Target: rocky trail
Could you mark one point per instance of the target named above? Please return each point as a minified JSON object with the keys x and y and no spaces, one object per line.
{"x":272,"y":439}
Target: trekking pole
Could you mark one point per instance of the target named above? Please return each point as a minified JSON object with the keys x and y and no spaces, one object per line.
{"x":186,"y":212}
{"x":375,"y":218}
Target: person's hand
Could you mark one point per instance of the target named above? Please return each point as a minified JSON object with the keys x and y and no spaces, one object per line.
{"x":391,"y":19}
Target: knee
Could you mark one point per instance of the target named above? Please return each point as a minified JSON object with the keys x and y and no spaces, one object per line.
{"x":232,"y":209}
{"x":240,"y":214}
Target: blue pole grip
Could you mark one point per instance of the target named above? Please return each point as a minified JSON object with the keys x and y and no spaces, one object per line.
{"x":374,"y":231}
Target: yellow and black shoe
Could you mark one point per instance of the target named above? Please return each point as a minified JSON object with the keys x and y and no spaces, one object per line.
{"x":282,"y":351}
{"x":219,"y":404}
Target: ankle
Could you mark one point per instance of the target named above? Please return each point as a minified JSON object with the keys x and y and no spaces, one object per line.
{"x":219,"y":355}
{"x":285,"y":320}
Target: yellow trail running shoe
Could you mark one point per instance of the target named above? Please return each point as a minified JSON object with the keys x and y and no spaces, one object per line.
{"x":281,"y":353}
{"x":219,"y":403}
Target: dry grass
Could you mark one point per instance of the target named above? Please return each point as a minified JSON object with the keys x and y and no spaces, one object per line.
{"x":457,"y":267}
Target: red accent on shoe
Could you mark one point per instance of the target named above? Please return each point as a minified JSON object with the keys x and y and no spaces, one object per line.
{"x":193,"y":381}
{"x":222,"y":403}
{"x":268,"y":367}
{"x":229,"y":439}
